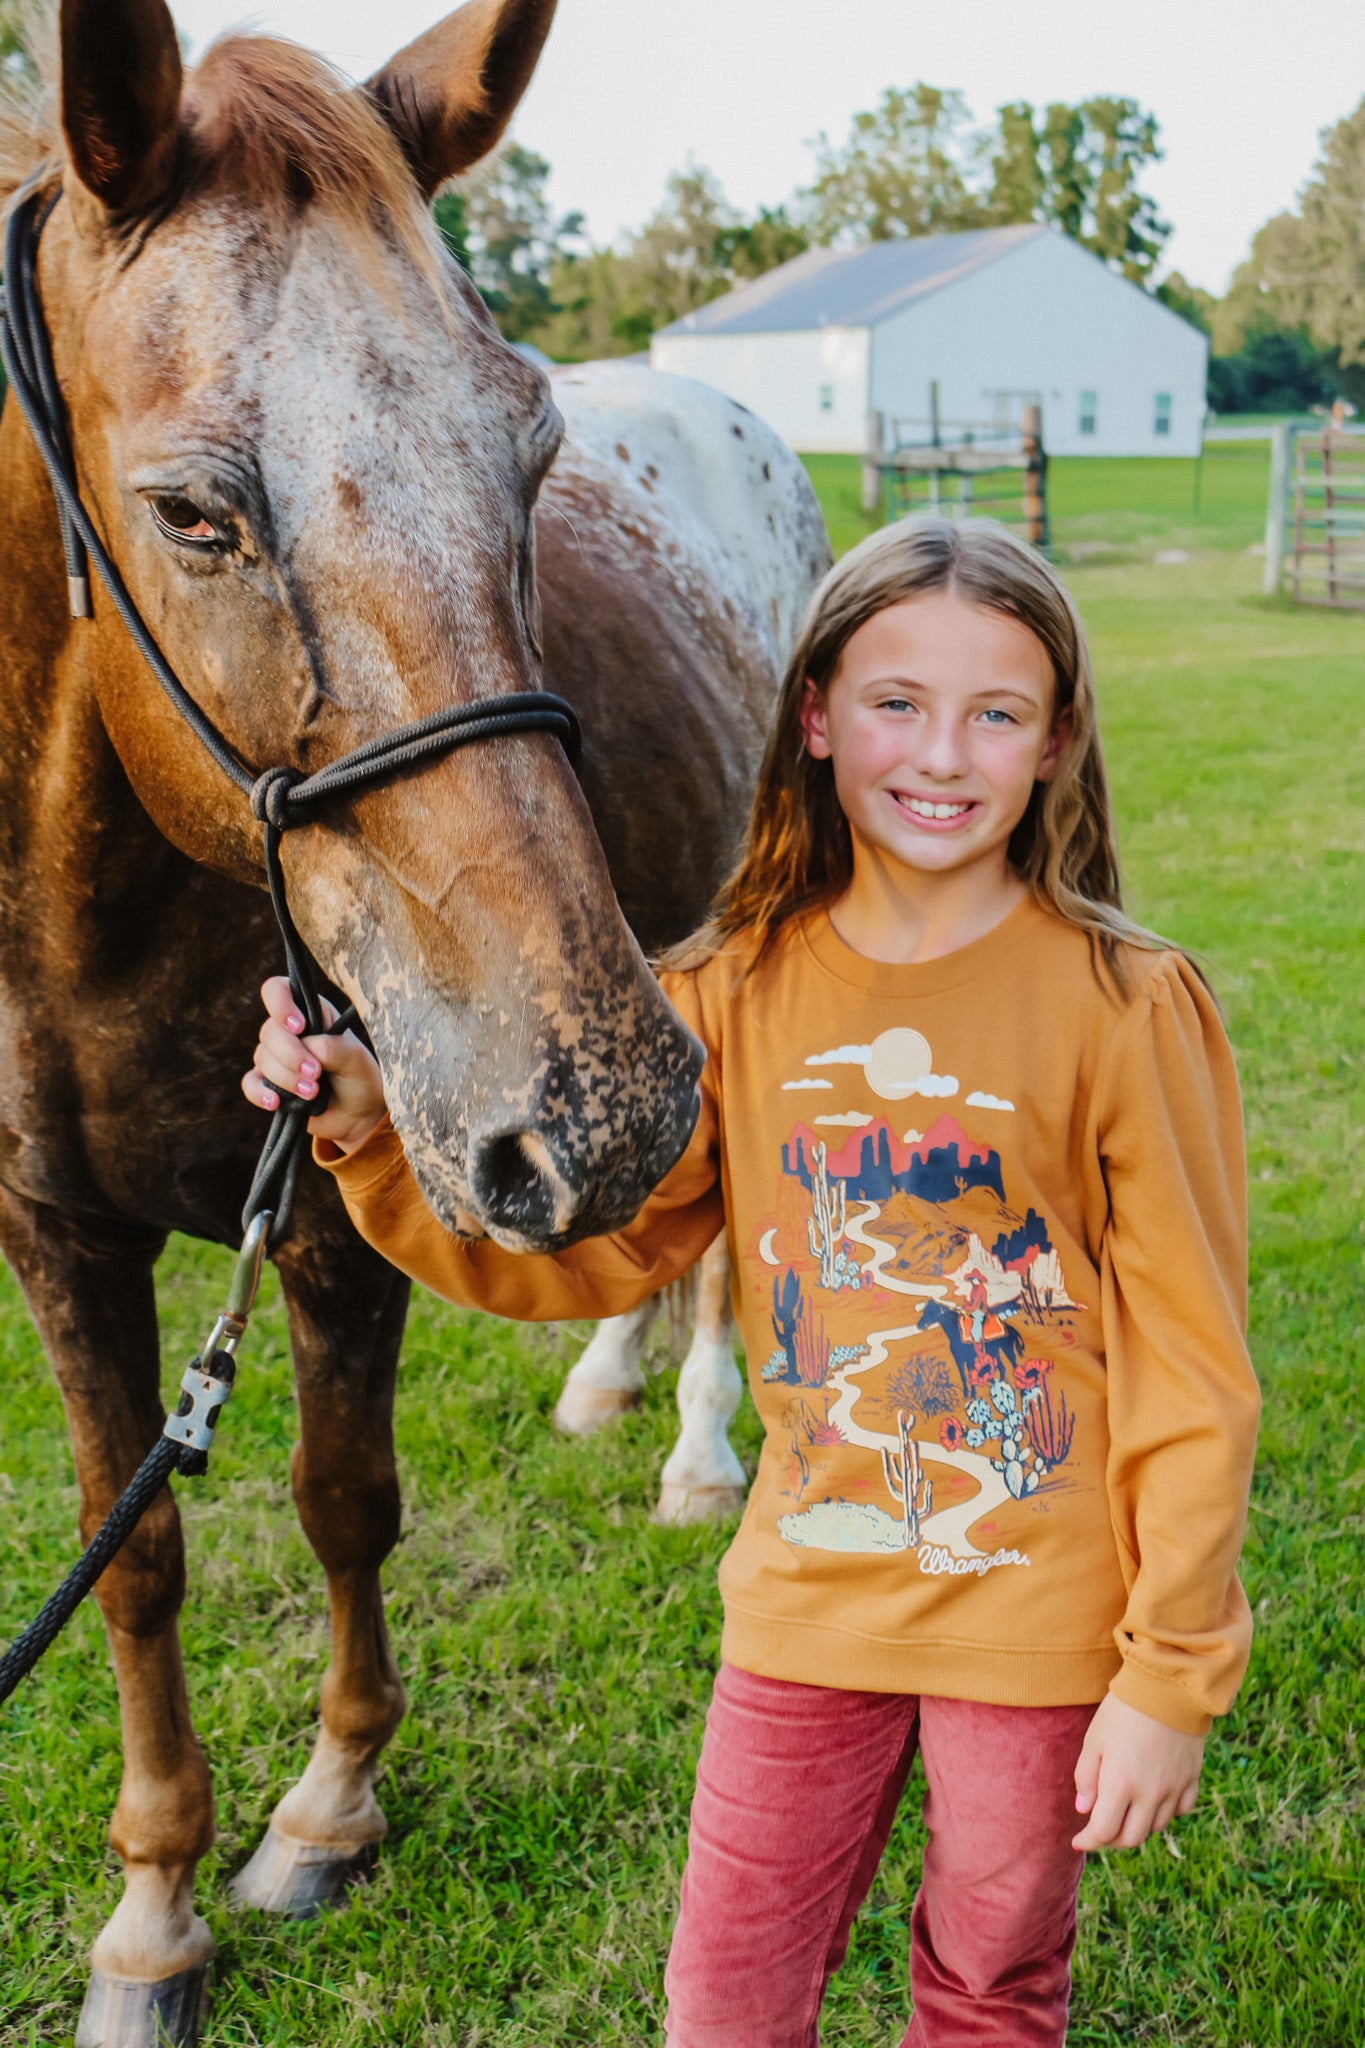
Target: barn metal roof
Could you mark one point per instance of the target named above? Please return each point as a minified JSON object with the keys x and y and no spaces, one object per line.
{"x":851,"y":287}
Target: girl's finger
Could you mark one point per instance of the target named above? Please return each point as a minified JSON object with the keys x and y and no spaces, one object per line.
{"x":290,"y":1052}
{"x":258,"y":1091}
{"x":1139,"y":1822}
{"x":1087,"y":1778}
{"x":281,"y":1074}
{"x":332,"y":1050}
{"x":1103,"y":1826}
{"x":278,"y":998}
{"x":1165,"y":1813}
{"x":279,"y":1001}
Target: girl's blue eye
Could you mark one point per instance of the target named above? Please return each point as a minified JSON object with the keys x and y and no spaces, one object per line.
{"x":995,"y":712}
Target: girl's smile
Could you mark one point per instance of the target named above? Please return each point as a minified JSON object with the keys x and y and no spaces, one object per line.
{"x":932,"y":813}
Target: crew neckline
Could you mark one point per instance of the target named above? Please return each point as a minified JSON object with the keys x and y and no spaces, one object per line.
{"x":917,"y":977}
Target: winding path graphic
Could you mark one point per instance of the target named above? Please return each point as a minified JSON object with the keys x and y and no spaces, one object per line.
{"x":883,"y":1250}
{"x":946,"y":1526}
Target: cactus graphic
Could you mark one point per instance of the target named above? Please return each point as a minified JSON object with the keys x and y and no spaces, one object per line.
{"x":787,"y":1309}
{"x":1050,"y":1432}
{"x":905,"y":1482}
{"x":812,"y":1348}
{"x":803,"y":1356}
{"x":826,"y":1227}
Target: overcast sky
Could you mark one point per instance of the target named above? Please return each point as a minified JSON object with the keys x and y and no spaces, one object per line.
{"x":628,"y":89}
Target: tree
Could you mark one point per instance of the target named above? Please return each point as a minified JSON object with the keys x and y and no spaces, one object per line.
{"x":1276,"y":370}
{"x":594,"y":314}
{"x":1307,"y":268}
{"x":692,"y":248}
{"x":677,"y":261}
{"x":500,"y":225}
{"x":17,"y":23}
{"x":909,"y":167}
{"x":452,"y":218}
{"x":916,"y":166}
{"x":752,"y":247}
{"x":1079,"y":169}
{"x":1066,"y":188}
{"x":1190,"y":301}
{"x":1123,"y":225}
{"x":1018,"y":180}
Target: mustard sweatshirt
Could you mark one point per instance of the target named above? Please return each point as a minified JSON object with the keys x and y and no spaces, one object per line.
{"x":987,"y":1227}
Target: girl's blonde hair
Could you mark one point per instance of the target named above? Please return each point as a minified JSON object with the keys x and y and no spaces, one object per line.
{"x":799,"y":854}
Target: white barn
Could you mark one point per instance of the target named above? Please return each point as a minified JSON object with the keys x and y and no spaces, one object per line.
{"x":996,"y":318}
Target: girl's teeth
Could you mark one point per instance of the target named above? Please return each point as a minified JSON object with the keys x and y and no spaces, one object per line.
{"x":936,"y":810}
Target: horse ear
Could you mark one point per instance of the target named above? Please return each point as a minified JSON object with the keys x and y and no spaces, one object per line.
{"x":449,"y":96}
{"x":120,"y":98}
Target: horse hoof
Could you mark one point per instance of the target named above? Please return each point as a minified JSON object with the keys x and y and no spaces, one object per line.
{"x":581,"y":1410}
{"x":119,"y":2013}
{"x":680,"y":1505}
{"x":299,"y":1878}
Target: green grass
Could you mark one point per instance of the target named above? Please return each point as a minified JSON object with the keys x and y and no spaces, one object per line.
{"x":558,"y":1647}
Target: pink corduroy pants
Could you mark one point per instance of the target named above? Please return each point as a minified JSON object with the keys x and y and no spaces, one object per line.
{"x":797,"y":1789}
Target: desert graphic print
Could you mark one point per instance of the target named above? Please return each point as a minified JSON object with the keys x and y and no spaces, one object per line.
{"x":914,"y":1311}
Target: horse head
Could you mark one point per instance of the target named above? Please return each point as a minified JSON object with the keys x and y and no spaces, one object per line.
{"x":315,"y":459}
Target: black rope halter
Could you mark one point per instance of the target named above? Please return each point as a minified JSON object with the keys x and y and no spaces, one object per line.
{"x":281,"y":797}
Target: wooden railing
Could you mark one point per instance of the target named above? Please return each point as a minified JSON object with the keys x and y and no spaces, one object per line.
{"x":963,"y":468}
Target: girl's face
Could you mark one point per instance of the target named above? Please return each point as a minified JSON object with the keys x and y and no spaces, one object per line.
{"x":939,"y":720}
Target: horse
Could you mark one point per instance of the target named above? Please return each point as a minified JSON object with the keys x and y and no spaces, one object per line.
{"x":340,"y":502}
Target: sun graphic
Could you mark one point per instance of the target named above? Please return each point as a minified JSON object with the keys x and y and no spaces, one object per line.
{"x":896,"y":1062}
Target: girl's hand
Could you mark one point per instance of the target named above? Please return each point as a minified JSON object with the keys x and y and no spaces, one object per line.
{"x":1133,"y":1776}
{"x":284,"y":1058}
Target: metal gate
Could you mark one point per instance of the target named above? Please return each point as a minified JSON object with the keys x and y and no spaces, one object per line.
{"x":1315,"y":529}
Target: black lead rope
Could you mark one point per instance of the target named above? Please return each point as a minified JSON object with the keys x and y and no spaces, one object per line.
{"x":281,"y":798}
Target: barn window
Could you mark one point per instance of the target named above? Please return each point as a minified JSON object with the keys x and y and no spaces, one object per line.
{"x":1162,"y":423}
{"x":1090,"y":410}
{"x":826,"y":398}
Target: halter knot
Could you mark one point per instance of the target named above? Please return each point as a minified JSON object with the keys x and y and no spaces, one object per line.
{"x":270,"y":797}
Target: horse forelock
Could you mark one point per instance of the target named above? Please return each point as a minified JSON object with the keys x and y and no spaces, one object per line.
{"x":276,"y":126}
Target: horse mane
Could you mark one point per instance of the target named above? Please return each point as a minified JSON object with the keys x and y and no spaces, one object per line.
{"x":264,"y":120}
{"x":30,"y":124}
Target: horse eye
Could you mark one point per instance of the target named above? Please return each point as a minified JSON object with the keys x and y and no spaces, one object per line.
{"x":182,"y":519}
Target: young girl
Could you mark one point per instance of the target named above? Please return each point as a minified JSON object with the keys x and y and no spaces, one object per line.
{"x":976,"y":1141}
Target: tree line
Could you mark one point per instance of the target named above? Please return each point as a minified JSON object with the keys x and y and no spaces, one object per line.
{"x":913,"y":165}
{"x":1288,"y":334}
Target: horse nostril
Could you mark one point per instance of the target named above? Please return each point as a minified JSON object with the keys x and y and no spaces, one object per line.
{"x":517,"y":1185}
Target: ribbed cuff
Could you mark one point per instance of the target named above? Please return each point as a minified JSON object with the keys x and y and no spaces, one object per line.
{"x":1163,"y":1698}
{"x":373,"y":1159}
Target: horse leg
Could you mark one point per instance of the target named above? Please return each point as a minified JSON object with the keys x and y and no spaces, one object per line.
{"x":90,"y":1293}
{"x":346,"y":1312}
{"x":703,"y":1480}
{"x":607,"y":1379}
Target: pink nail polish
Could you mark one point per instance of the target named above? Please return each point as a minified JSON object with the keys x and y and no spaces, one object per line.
{"x":309,"y":1069}
{"x":270,"y":1100}
{"x":294,"y":1021}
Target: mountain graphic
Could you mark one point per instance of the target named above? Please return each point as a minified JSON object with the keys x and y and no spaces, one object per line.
{"x":874,"y":1163}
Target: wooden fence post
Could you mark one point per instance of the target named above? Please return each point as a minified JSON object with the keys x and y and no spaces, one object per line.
{"x":1277,"y":508}
{"x":872,"y":467}
{"x":1035,"y":477}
